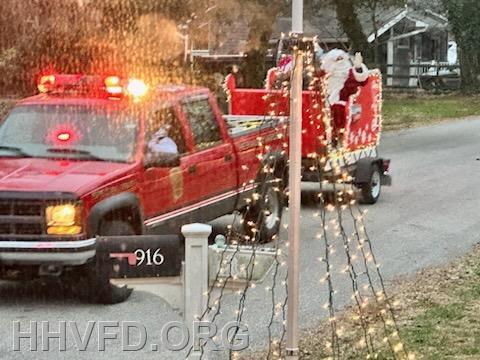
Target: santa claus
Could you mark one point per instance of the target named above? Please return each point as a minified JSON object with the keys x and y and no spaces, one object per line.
{"x":344,"y":77}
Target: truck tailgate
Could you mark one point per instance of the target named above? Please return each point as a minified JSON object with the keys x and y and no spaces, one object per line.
{"x":241,"y":125}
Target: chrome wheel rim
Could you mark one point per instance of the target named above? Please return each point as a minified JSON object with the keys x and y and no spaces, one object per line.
{"x":376,"y":184}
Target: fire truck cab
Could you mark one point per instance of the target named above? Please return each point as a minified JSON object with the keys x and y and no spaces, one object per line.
{"x":76,"y":163}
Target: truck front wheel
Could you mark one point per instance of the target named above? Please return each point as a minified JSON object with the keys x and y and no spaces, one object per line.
{"x":263,"y":218}
{"x":96,"y":275}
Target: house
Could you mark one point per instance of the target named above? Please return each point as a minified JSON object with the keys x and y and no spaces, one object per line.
{"x":408,"y":39}
{"x":224,"y":47}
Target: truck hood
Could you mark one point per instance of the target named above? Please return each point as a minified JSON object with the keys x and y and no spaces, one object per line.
{"x":50,"y":175}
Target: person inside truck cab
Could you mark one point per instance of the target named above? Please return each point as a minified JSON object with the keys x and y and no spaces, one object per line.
{"x":165,"y":135}
{"x":162,"y":143}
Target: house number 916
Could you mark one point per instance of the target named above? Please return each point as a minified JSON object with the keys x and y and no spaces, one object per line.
{"x":146,"y":257}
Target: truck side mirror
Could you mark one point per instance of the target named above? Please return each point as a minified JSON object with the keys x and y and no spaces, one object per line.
{"x":165,"y":160}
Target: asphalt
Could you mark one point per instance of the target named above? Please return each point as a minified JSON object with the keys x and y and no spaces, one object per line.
{"x":427,"y":218}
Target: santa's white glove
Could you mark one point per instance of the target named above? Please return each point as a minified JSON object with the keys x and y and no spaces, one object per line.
{"x":360,"y":70}
{"x":358,"y":61}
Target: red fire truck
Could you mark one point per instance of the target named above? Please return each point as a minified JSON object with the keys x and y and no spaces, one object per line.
{"x":359,"y":141}
{"x":75,"y":164}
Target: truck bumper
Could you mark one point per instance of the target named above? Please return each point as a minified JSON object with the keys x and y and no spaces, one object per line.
{"x":47,"y":252}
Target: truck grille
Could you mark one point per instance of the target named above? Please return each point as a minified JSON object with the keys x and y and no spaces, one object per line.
{"x":21,"y":217}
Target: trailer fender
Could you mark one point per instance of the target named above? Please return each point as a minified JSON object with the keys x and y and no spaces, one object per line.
{"x":364,"y":169}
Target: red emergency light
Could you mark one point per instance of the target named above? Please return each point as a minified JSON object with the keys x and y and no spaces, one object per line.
{"x":63,"y":135}
{"x":110,"y":86}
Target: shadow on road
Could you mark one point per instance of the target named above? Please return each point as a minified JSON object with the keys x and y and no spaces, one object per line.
{"x":311,"y":200}
{"x":40,"y":290}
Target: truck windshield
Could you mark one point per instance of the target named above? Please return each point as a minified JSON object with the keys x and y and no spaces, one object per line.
{"x":68,"y":132}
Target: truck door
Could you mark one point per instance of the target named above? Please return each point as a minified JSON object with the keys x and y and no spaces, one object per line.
{"x":164,"y":189}
{"x":213,"y":159}
{"x":173,"y":196}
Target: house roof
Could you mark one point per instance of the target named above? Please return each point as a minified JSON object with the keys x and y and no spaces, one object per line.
{"x":325,"y":25}
{"x":237,"y":40}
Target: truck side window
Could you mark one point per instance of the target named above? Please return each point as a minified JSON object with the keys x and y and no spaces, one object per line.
{"x":203,"y":123}
{"x":167,"y":119}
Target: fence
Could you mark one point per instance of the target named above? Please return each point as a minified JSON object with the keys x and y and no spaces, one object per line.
{"x":416,"y":74}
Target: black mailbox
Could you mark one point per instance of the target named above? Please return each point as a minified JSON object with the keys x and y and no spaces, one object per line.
{"x":140,"y":256}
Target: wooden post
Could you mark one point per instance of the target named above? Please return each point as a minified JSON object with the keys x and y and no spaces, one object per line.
{"x":295,"y":165}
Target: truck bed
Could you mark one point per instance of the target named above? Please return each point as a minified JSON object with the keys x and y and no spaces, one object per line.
{"x":242,"y":125}
{"x":363,"y":114}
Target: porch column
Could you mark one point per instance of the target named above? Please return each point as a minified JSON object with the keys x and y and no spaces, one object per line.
{"x":390,"y":62}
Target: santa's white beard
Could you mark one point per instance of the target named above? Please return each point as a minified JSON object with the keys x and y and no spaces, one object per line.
{"x":335,"y":83}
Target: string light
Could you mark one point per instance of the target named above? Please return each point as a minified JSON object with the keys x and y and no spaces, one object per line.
{"x":332,"y":160}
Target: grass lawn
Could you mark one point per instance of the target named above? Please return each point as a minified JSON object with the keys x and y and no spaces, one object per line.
{"x":438,"y":312}
{"x":447,"y":323}
{"x":404,"y":111}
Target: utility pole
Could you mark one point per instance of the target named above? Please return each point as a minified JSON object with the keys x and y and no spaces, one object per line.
{"x":295,"y":163}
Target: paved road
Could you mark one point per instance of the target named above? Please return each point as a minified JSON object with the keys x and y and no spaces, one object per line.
{"x":427,"y":218}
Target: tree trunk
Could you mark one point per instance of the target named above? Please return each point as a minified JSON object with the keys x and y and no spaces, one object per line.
{"x":373,"y":8}
{"x":464,"y":17}
{"x":347,"y":17}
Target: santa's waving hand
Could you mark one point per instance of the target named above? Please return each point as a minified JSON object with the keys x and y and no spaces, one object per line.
{"x":344,"y":78}
{"x":359,"y":70}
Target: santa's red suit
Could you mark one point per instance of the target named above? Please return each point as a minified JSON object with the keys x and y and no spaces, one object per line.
{"x":354,"y":81}
{"x":343,"y":81}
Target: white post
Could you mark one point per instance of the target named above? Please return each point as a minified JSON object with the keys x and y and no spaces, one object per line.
{"x":297,"y":16}
{"x":196,"y":274}
{"x":390,"y":61}
{"x":294,"y":187}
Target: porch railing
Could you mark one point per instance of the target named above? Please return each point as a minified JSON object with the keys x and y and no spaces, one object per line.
{"x":408,"y":75}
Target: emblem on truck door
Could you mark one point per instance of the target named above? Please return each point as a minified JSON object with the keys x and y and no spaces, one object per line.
{"x":176,"y":179}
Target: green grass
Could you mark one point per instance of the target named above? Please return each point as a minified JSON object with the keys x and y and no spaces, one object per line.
{"x":437,"y":313}
{"x":400,"y":111}
{"x":445,"y":332}
{"x":427,"y":329}
{"x":450,"y":330}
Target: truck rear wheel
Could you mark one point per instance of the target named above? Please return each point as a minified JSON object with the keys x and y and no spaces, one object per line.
{"x":97,"y":274}
{"x":371,"y":190}
{"x":263,"y":218}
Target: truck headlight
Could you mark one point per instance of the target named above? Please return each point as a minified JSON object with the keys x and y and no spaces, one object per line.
{"x":63,"y":219}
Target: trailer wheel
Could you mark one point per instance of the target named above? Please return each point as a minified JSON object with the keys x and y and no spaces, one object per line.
{"x":265,"y":216}
{"x":94,"y":277}
{"x":371,"y":190}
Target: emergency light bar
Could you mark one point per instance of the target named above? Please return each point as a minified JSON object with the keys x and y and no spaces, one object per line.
{"x":110,"y":86}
